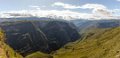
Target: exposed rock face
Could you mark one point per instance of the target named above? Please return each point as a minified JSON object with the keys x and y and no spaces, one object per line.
{"x":24,"y":38}
{"x":46,"y":36}
{"x":5,"y":50}
{"x":59,"y":33}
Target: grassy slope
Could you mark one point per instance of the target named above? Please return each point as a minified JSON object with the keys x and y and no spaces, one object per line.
{"x":39,"y":55}
{"x":5,"y":50}
{"x":103,"y":44}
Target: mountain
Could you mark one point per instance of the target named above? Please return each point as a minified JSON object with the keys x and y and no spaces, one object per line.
{"x":54,"y":38}
{"x":30,"y":18}
{"x":101,"y":44}
{"x":46,"y":36}
{"x":84,"y":25}
{"x":5,"y":50}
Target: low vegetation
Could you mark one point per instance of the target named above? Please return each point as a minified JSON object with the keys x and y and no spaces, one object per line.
{"x":5,"y":50}
{"x":39,"y":55}
{"x":103,"y":44}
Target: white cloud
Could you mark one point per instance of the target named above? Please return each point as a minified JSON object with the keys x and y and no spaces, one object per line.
{"x":118,"y":0}
{"x":67,"y":6}
{"x":93,"y":6}
{"x":86,"y":6}
{"x":99,"y":11}
{"x":64,"y":14}
{"x":102,"y":12}
{"x":43,"y":6}
{"x":35,"y":7}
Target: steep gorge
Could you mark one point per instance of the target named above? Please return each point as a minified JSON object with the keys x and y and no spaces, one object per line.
{"x":26,"y":37}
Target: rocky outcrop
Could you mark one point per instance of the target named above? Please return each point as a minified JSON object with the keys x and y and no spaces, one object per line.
{"x":5,"y":50}
{"x":46,"y":36}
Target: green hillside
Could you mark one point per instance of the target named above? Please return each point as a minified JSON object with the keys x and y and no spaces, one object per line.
{"x":39,"y":55}
{"x":101,"y":44}
{"x":95,"y":43}
{"x":5,"y":50}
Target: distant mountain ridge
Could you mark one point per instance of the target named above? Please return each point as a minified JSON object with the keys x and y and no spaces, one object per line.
{"x":83,"y":25}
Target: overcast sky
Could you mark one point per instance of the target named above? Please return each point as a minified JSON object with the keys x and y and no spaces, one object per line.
{"x":102,"y":9}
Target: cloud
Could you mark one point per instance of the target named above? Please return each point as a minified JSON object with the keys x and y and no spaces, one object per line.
{"x":102,"y":12}
{"x":43,"y":6}
{"x":98,"y":11}
{"x":64,"y":14}
{"x":118,"y":0}
{"x":93,"y":6}
{"x":34,"y":6}
{"x":66,"y":6}
{"x":86,"y":6}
